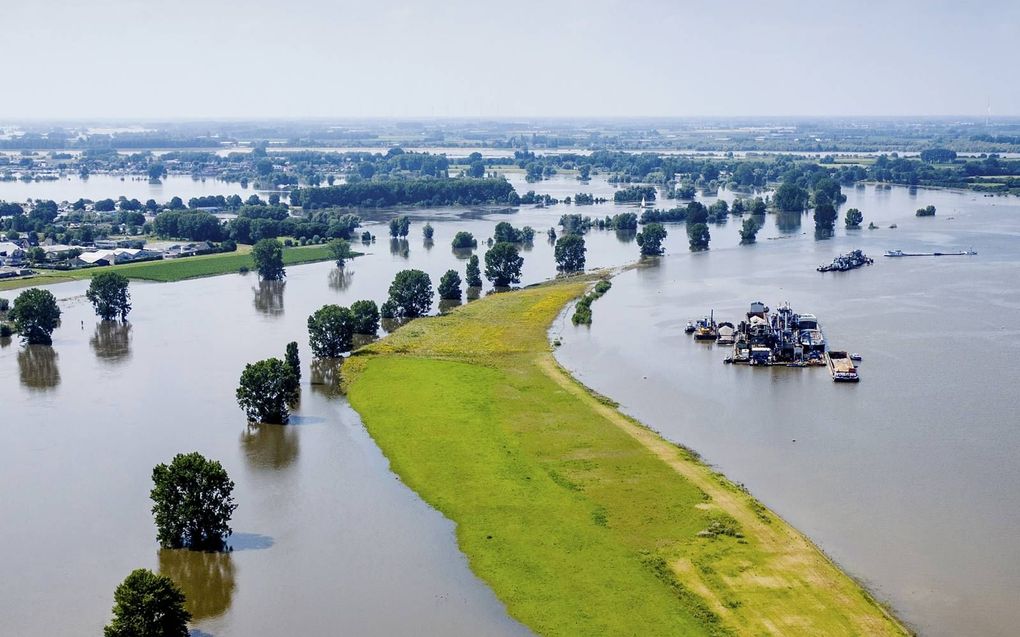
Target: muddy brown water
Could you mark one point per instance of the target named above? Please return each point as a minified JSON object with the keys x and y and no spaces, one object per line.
{"x":909,"y":480}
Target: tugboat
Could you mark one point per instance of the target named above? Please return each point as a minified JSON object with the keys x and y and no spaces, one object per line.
{"x":706,"y":329}
{"x":849,"y":261}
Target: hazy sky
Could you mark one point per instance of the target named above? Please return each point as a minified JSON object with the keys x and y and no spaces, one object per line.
{"x":334,"y":58}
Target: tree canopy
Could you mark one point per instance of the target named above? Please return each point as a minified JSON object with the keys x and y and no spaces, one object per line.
{"x":148,"y":605}
{"x":854,"y":218}
{"x":365,"y":317}
{"x":749,"y":231}
{"x":35,"y":315}
{"x":698,"y":236}
{"x":650,"y":239}
{"x":790,"y":197}
{"x":570,"y":253}
{"x":449,"y":286}
{"x":265,"y":391}
{"x":108,"y":293}
{"x":340,"y":250}
{"x":463,"y":240}
{"x":473,"y":273}
{"x":268,"y":257}
{"x":192,"y":503}
{"x":331,"y":331}
{"x":503,"y":264}
{"x":410,"y":294}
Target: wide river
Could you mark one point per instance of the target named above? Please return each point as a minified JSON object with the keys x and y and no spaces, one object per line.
{"x":909,"y":479}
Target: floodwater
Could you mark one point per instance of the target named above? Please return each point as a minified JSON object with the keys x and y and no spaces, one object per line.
{"x":907,"y":479}
{"x":101,"y":186}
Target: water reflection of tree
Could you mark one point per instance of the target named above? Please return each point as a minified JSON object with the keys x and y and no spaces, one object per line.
{"x":624,"y":235}
{"x":400,"y":247}
{"x":38,"y":367}
{"x":5,"y":341}
{"x":271,"y":447}
{"x":269,"y":297}
{"x":340,"y":280}
{"x":112,"y":341}
{"x":463,"y":253}
{"x":325,"y":376}
{"x":207,"y":580}
{"x":788,"y":222}
{"x":472,"y":293}
{"x":428,"y":243}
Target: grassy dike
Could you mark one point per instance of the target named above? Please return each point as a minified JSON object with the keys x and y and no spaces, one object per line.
{"x":167,"y":270}
{"x":581,"y":520}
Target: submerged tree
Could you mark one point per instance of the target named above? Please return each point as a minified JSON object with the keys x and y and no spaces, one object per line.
{"x":294,"y":363}
{"x":427,"y":231}
{"x":569,"y":253}
{"x":148,"y":605}
{"x":340,"y":250}
{"x":192,"y":503}
{"x":331,"y":331}
{"x":853,"y":219}
{"x":400,"y":226}
{"x":365,"y":317}
{"x":749,"y":231}
{"x":109,"y":295}
{"x":503,"y":264}
{"x":825,"y":217}
{"x":268,"y":257}
{"x":449,"y":286}
{"x":650,"y":239}
{"x":698,"y":236}
{"x":266,"y":389}
{"x":473,"y":273}
{"x":463,"y":240}
{"x":35,"y":315}
{"x":410,"y":294}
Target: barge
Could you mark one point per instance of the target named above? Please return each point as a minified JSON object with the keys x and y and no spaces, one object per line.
{"x":842,"y":367}
{"x":901,"y":253}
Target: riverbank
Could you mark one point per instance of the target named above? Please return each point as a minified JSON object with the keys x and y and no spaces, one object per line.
{"x":582,"y":520}
{"x":167,"y":270}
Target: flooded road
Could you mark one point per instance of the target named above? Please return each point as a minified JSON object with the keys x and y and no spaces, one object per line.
{"x":909,"y":480}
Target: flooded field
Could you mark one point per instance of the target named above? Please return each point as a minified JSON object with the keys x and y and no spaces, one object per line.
{"x":909,"y":480}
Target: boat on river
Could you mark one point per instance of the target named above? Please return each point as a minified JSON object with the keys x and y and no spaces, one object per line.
{"x":845,"y":262}
{"x":901,"y":253}
{"x":841,"y":367}
{"x":706,"y":329}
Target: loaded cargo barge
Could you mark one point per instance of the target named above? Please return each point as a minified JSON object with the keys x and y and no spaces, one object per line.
{"x":842,"y":367}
